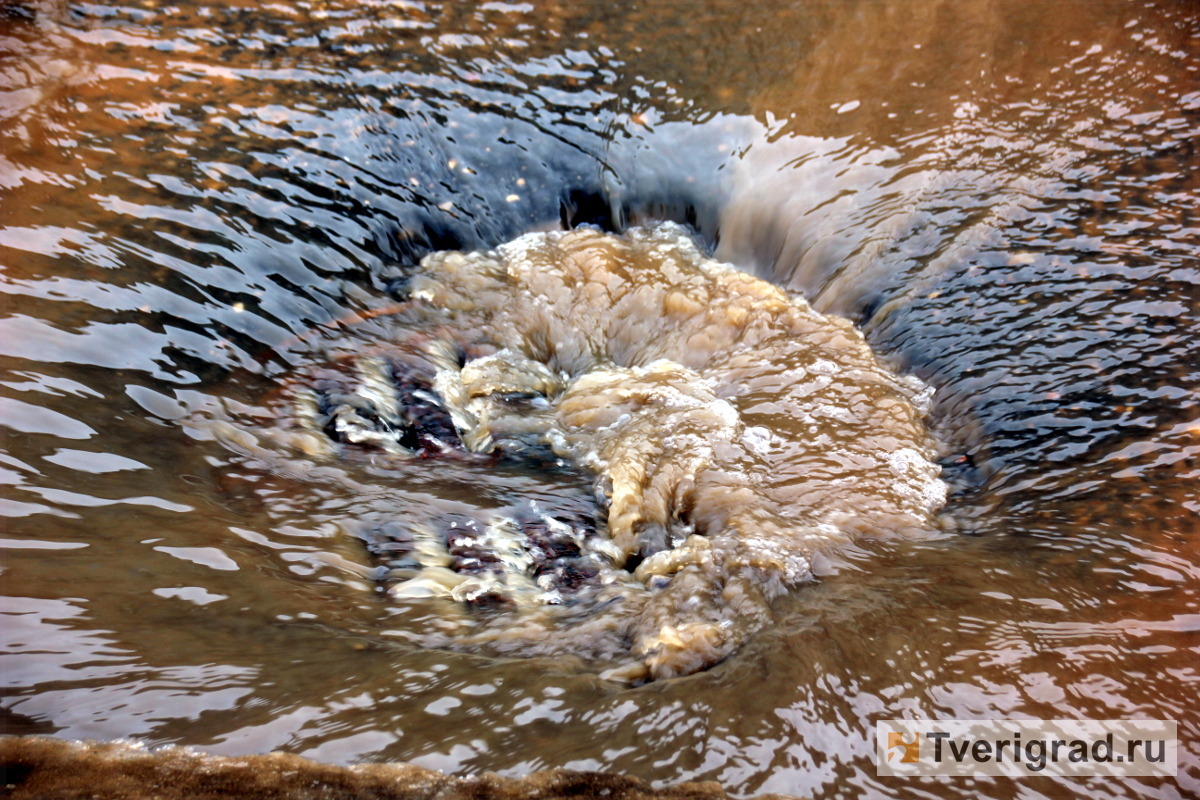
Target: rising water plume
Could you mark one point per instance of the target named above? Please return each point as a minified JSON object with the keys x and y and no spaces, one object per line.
{"x":733,"y":436}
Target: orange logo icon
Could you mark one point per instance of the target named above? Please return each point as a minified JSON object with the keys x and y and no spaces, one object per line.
{"x":912,"y":750}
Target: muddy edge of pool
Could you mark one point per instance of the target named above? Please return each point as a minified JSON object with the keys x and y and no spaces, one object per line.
{"x":44,"y":767}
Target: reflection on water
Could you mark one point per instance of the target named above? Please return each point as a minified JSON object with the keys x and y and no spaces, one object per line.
{"x":1002,"y":195}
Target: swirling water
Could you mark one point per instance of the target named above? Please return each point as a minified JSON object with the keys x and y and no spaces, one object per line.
{"x":1002,"y":195}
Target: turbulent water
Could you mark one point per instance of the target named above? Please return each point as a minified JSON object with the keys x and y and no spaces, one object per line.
{"x":212,"y":212}
{"x":733,"y":436}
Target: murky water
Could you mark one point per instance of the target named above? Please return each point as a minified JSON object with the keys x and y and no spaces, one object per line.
{"x":732,"y":437}
{"x":1001,"y":195}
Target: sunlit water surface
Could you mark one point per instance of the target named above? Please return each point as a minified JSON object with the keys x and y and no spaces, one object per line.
{"x":1002,"y":195}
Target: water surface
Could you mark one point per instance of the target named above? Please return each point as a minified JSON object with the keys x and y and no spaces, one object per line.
{"x":1002,"y":195}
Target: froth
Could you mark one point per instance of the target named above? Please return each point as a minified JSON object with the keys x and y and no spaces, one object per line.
{"x":733,"y":434}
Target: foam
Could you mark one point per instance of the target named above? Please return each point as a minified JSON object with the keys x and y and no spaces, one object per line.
{"x":733,"y":434}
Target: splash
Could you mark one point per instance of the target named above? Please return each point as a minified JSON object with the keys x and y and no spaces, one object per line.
{"x":732,"y":436}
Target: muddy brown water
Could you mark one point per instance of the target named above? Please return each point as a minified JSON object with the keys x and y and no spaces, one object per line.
{"x":1001,"y":195}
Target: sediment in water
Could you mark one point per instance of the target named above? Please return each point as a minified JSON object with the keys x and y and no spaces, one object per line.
{"x":733,"y":435}
{"x":41,"y":767}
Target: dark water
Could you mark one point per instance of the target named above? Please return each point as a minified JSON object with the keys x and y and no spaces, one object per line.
{"x":1002,"y":194}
